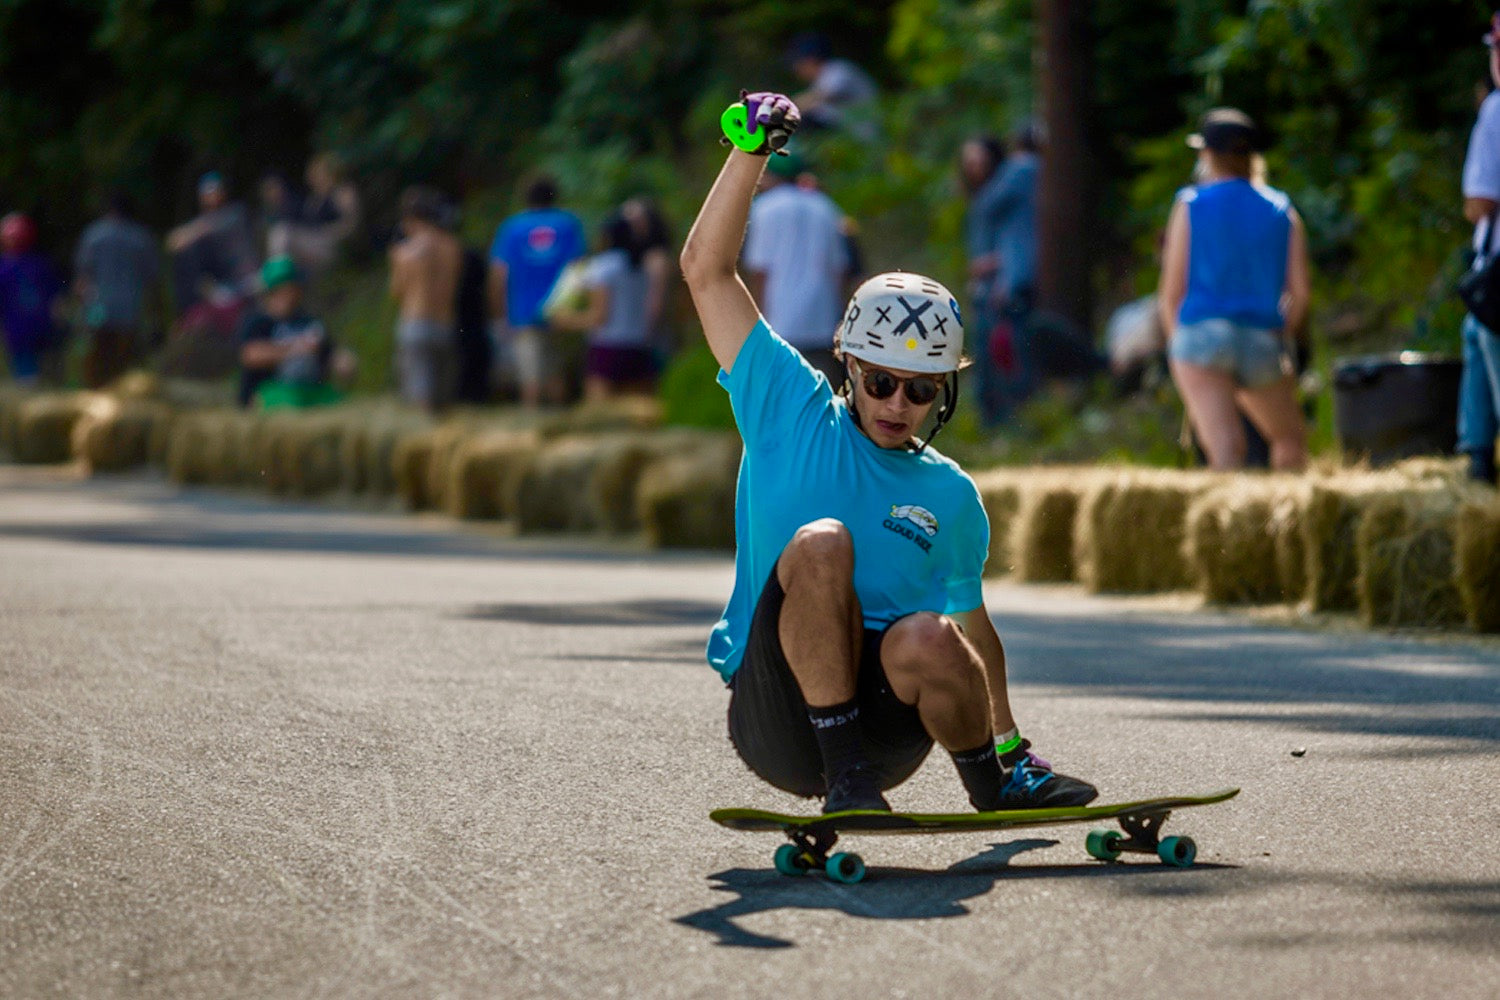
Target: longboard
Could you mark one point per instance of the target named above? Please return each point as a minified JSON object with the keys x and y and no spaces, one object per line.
{"x":812,"y":837}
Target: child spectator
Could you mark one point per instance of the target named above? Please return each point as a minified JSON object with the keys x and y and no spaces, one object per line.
{"x":286,"y":355}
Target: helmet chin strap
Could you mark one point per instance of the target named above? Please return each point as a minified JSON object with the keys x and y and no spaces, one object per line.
{"x":945,"y":412}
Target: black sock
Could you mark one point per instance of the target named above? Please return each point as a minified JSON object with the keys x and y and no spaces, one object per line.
{"x":979,"y":770}
{"x":1482,"y":465}
{"x":837,"y":730}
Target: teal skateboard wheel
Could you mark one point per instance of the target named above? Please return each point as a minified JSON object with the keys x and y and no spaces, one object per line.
{"x":1178,"y":852}
{"x":789,"y":860}
{"x":1103,"y":844}
{"x":845,"y":867}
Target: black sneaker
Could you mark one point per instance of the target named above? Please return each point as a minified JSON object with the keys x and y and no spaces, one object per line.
{"x":1030,"y":783}
{"x":855,"y":788}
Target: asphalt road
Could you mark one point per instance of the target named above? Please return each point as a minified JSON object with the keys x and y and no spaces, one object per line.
{"x":262,"y":750}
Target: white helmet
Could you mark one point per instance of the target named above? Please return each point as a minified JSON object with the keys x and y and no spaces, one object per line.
{"x":904,"y":321}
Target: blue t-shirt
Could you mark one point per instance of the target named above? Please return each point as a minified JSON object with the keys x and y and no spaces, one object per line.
{"x":920,"y":532}
{"x":535,"y":246}
{"x":1237,"y":251}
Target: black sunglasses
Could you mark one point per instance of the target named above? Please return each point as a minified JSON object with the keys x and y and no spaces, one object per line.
{"x":881,"y":384}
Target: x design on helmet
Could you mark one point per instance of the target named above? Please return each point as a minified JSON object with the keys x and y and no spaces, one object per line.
{"x":904,"y":321}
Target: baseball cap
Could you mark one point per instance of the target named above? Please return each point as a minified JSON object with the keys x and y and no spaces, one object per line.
{"x":210,"y":181}
{"x":1226,"y":130}
{"x":279,"y":271}
{"x":787,"y":167}
{"x":1493,"y":35}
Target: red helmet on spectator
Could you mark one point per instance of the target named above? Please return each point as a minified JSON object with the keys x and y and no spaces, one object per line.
{"x":17,"y":233}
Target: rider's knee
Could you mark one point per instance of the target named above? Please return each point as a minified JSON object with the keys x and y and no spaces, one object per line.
{"x":823,"y":546}
{"x":930,"y":646}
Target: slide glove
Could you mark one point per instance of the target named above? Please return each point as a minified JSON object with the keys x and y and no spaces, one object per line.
{"x":760,"y":123}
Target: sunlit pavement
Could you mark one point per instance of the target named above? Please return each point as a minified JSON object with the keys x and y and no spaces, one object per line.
{"x":254,"y":749}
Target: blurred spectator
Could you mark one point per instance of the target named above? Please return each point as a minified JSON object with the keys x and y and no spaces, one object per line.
{"x":425,"y":269}
{"x":326,"y":217}
{"x":279,"y":206}
{"x":527,"y":256}
{"x":839,"y":95}
{"x":614,"y":313}
{"x":1234,"y":283}
{"x":286,"y":355}
{"x":657,"y":259}
{"x":1017,"y":346}
{"x":796,"y":260}
{"x":213,"y":259}
{"x":979,"y":162}
{"x":115,"y":267}
{"x":29,"y":291}
{"x":1479,"y":389}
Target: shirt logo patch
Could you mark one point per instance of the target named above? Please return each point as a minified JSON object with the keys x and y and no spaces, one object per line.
{"x":920,"y":516}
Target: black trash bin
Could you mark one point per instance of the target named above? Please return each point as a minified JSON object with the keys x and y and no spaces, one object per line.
{"x":1388,"y":407}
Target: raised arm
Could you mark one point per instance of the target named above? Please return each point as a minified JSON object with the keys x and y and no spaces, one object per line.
{"x":712,"y":248}
{"x":710,"y":253}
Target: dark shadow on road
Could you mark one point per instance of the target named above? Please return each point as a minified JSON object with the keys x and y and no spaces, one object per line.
{"x":643,"y":612}
{"x":1383,"y":686}
{"x":890,"y":893}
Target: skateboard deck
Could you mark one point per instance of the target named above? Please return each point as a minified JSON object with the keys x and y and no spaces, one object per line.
{"x":812,"y":837}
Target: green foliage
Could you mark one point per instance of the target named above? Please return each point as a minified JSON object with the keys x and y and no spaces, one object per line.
{"x":690,"y":394}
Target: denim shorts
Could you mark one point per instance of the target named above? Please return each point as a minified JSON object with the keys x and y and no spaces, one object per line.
{"x":1251,"y":355}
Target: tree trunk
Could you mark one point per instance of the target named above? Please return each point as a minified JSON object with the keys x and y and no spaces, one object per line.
{"x":1065,"y":196}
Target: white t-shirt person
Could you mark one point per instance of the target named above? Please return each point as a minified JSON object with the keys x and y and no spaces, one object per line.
{"x":795,"y":241}
{"x":1482,"y":162}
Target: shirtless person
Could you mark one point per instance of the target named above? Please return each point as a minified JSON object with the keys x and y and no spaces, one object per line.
{"x":425,"y":267}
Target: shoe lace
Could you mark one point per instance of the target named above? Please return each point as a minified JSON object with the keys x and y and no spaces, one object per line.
{"x":1026,"y":777}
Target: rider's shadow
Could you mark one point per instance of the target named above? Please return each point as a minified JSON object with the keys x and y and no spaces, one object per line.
{"x":888,"y":894}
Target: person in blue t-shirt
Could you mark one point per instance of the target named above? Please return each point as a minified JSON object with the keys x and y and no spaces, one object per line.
{"x":856,"y":634}
{"x":527,"y":256}
{"x":1234,"y":290}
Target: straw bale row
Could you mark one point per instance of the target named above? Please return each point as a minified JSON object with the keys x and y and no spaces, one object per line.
{"x":1406,"y":552}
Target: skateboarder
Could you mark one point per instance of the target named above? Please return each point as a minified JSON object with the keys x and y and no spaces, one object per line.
{"x":856,"y":634}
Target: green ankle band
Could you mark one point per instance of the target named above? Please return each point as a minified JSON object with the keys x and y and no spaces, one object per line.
{"x":1007,"y":742}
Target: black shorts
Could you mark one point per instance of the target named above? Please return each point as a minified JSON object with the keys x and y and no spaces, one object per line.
{"x":768,"y":721}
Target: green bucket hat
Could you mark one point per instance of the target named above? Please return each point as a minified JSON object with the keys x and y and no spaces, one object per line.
{"x":279,"y":271}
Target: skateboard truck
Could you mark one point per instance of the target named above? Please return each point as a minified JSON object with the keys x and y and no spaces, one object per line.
{"x":1143,"y":836}
{"x":809,"y":849}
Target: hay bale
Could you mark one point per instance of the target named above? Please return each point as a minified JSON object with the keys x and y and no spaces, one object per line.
{"x":116,"y":432}
{"x":138,"y":385}
{"x":368,"y":443}
{"x":686,"y":500}
{"x":1131,"y":527}
{"x":1234,"y":533}
{"x":446,"y":441}
{"x":43,"y":426}
{"x":189,"y":440}
{"x":486,"y":471}
{"x":586,"y":483}
{"x":1406,"y":555}
{"x":1330,"y":520}
{"x":621,"y":413}
{"x":1041,"y":536}
{"x":411,"y":456}
{"x":11,"y":398}
{"x":1477,"y":562}
{"x":1000,"y":492}
{"x":1286,"y":535}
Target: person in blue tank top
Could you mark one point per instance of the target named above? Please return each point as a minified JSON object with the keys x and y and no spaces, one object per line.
{"x":1234,"y":286}
{"x":856,"y":634}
